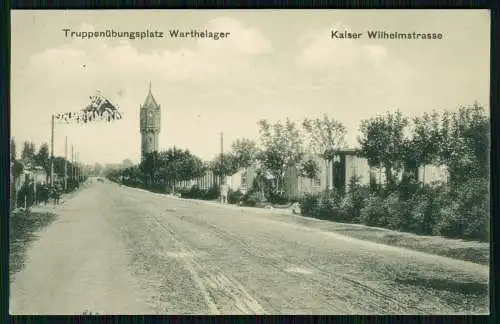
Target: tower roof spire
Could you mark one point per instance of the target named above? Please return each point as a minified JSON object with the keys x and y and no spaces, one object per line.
{"x":150,"y":101}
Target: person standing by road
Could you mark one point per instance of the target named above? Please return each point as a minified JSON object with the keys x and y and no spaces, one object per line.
{"x":43,"y":193}
{"x":58,"y":192}
{"x":224,"y":190}
{"x":52,"y":194}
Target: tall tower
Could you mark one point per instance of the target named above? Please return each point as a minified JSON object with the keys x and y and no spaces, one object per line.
{"x":150,"y":124}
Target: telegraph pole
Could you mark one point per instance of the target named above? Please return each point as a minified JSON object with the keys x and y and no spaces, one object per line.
{"x":52,"y":153}
{"x":221,"y":158}
{"x":72,"y":164}
{"x":66,"y":164}
{"x":77,"y":168}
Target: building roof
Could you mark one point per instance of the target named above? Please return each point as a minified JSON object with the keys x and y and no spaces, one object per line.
{"x":349,"y":151}
{"x":34,"y":169}
{"x":342,"y":151}
{"x":150,"y":101}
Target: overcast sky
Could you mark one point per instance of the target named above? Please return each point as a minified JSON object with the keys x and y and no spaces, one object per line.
{"x":275,"y":64}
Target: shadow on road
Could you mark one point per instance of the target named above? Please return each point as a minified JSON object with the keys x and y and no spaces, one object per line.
{"x":468,"y":288}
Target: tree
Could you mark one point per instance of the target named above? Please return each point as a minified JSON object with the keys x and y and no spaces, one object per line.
{"x":17,"y":171}
{"x":28,"y":153}
{"x":97,"y":169}
{"x":150,"y":164}
{"x":383,"y":141}
{"x":59,"y":166}
{"x":13,"y":153}
{"x":309,"y":169}
{"x":225,"y":165}
{"x":423,"y":146}
{"x":465,"y":141}
{"x":179,"y":165}
{"x":281,"y":149}
{"x":325,"y":136}
{"x":245,"y":152}
{"x":42,"y":159}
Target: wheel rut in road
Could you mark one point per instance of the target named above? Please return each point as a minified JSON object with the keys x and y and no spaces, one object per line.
{"x":334,"y":292}
{"x":221,"y":292}
{"x":257,"y":255}
{"x":342,"y":290}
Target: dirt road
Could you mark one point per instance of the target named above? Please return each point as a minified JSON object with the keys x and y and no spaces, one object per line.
{"x":119,"y":250}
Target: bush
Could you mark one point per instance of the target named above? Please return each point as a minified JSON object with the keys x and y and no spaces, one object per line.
{"x":275,"y":198}
{"x":157,"y":188}
{"x":43,"y":193}
{"x":439,"y":209}
{"x":416,"y":214}
{"x":374,"y":211}
{"x":354,"y":201}
{"x":212,"y":193}
{"x":468,"y":213}
{"x":412,"y":213}
{"x":195,"y":192}
{"x":395,"y":212}
{"x":431,"y":199}
{"x":235,"y":197}
{"x":309,"y":205}
{"x":479,"y":222}
{"x":251,"y":199}
{"x":327,"y":205}
{"x":192,"y":193}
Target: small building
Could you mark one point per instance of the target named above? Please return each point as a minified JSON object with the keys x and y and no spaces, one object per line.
{"x":337,"y":174}
{"x":236,"y":181}
{"x":37,"y":174}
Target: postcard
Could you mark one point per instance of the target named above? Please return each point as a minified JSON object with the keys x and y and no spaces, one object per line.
{"x":331,"y":162}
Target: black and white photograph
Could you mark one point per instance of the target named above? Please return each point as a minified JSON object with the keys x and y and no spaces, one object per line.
{"x":256,"y":162}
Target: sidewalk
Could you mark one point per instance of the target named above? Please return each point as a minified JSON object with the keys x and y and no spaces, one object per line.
{"x":280,"y":211}
{"x":283,"y":211}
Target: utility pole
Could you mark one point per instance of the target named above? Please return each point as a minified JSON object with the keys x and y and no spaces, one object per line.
{"x":66,"y":164}
{"x":77,"y":168}
{"x":221,"y":158}
{"x":72,"y":163}
{"x":52,"y":153}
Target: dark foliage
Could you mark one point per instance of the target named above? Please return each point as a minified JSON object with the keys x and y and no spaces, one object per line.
{"x":195,"y":192}
{"x":235,"y":197}
{"x":251,"y":199}
{"x":461,"y":212}
{"x":277,"y":198}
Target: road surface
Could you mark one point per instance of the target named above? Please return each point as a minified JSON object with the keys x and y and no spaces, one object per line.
{"x":120,"y":250}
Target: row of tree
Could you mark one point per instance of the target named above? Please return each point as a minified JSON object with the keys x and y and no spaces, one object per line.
{"x":30,"y":158}
{"x":458,"y":140}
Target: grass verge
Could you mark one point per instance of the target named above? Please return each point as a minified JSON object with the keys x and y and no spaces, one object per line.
{"x":472,"y":251}
{"x":22,"y":232}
